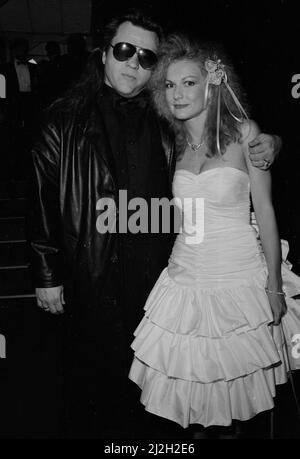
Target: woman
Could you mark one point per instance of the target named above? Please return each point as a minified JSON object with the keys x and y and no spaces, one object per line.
{"x":210,"y":348}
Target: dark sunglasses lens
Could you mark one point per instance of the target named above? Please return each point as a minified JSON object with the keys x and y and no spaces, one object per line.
{"x":147,"y":58}
{"x":123,"y":51}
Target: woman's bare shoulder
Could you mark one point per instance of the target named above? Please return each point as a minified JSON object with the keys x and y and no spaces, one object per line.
{"x":249,"y":130}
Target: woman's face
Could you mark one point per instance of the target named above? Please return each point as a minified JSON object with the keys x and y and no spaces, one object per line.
{"x":185,"y":89}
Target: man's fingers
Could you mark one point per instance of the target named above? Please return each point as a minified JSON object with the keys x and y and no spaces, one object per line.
{"x":257,"y":150}
{"x":39,"y":302}
{"x":56,"y":307}
{"x":59,"y":307}
{"x":42,"y":304}
{"x":254,"y":142}
{"x":261,"y":138}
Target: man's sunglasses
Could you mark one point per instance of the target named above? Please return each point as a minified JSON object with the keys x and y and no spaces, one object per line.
{"x":123,"y":51}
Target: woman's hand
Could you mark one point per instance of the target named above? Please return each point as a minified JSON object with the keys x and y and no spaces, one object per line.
{"x":278,"y":306}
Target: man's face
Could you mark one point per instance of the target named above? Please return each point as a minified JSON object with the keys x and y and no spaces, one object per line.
{"x":128,"y":78}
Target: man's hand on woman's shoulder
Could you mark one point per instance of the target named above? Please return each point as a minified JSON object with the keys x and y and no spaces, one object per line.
{"x":263,"y":150}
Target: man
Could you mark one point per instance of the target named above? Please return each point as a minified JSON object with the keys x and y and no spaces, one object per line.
{"x":74,"y":61}
{"x":21,"y":87}
{"x":104,"y":137}
{"x":21,"y":75}
{"x":50,"y":75}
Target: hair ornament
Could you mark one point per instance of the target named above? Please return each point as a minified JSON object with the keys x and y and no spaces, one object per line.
{"x":216,"y":75}
{"x":216,"y":71}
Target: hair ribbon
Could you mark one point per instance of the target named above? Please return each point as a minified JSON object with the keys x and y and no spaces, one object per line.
{"x":216,"y":75}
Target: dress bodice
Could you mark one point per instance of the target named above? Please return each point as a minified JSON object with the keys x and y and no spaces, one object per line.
{"x":215,"y":209}
{"x":225,"y":194}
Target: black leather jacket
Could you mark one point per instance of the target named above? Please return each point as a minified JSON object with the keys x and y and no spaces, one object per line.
{"x":73,"y":169}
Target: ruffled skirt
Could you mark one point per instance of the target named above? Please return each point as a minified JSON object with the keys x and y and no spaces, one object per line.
{"x":209,"y":355}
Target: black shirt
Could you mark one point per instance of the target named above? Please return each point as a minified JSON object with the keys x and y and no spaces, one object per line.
{"x":142,"y":170}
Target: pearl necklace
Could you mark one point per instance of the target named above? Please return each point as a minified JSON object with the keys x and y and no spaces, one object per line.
{"x":195,"y":146}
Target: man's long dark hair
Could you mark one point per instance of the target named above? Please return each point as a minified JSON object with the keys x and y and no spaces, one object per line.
{"x":83,"y":93}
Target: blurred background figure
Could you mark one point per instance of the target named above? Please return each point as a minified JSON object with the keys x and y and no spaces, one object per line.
{"x":50,"y":75}
{"x":74,"y":61}
{"x":22,"y":104}
{"x":52,"y":49}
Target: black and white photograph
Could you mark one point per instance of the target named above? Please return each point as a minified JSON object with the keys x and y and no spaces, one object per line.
{"x":149,"y":222}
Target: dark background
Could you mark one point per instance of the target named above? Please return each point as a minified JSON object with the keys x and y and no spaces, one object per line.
{"x":261,"y":36}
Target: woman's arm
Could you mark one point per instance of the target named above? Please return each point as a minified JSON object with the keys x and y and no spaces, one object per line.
{"x":261,"y":192}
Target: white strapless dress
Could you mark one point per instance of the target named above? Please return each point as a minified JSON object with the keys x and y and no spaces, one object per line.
{"x":204,"y":351}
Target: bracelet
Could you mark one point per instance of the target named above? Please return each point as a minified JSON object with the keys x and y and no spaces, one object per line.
{"x":273,"y":291}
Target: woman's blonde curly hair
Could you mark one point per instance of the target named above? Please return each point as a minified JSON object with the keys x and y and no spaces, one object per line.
{"x":177,"y":47}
